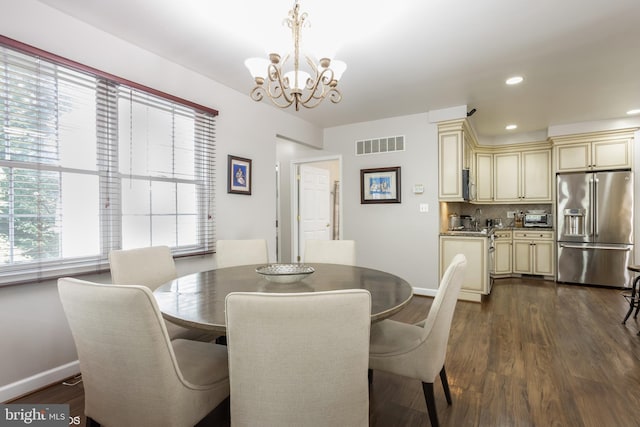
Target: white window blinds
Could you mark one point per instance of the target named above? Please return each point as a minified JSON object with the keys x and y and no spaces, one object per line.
{"x":164,"y":155}
{"x":88,"y":164}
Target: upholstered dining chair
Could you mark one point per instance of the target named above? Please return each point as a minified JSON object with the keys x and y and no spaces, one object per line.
{"x":133,"y":374}
{"x":151,"y":267}
{"x":330,"y":251}
{"x":299,"y":359}
{"x":231,"y":253}
{"x":418,"y":351}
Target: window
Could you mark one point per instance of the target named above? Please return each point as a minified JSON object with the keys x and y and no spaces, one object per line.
{"x":160,"y":183}
{"x":89,"y":164}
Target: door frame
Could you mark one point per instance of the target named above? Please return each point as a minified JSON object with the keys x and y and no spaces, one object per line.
{"x":295,"y":198}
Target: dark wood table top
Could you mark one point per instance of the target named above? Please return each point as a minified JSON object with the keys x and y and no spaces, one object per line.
{"x":197,"y":300}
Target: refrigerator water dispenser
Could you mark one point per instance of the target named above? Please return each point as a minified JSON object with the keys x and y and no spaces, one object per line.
{"x":574,"y":222}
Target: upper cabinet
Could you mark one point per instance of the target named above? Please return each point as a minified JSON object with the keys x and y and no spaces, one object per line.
{"x":594,"y":151}
{"x":514,"y":174}
{"x":484,"y":177}
{"x":456,"y":143}
{"x":522,"y":176}
{"x":506,"y":177}
{"x":536,"y":182}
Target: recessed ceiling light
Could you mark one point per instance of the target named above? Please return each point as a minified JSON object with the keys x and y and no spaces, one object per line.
{"x":633,"y":112}
{"x":514,"y":80}
{"x":511,"y":127}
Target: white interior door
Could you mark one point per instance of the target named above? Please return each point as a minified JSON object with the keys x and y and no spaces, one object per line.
{"x":315,"y":205}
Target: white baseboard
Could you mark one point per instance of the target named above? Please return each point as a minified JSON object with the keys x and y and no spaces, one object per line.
{"x":37,"y":381}
{"x":425,"y":292}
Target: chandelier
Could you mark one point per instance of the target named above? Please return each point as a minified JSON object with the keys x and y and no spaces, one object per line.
{"x":295,"y":87}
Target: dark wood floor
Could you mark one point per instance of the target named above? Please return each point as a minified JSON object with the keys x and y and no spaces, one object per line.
{"x":534,"y":353}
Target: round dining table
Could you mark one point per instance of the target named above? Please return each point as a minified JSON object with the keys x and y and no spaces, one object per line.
{"x":198,"y":300}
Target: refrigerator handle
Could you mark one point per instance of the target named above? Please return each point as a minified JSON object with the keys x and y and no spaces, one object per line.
{"x":612,"y":248}
{"x":590,"y":212}
{"x":595,"y":207}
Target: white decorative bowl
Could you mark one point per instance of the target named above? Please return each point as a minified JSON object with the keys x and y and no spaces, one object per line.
{"x":284,"y":273}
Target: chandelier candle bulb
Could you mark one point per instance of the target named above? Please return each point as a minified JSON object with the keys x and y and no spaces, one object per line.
{"x":296,"y":87}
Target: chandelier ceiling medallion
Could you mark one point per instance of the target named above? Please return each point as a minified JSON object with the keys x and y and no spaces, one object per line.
{"x":297,"y":86}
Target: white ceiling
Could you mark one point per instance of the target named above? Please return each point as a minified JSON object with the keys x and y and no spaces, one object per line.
{"x":580,"y":59}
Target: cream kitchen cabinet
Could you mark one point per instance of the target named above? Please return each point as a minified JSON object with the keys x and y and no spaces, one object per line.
{"x":506,"y":177}
{"x":502,"y":264}
{"x":484,"y":177}
{"x":533,"y":252}
{"x":604,"y":150}
{"x":596,"y":155}
{"x":456,"y":143}
{"x":523,"y":176}
{"x":476,"y":279}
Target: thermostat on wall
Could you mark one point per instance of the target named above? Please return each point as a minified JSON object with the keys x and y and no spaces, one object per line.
{"x":418,"y":189}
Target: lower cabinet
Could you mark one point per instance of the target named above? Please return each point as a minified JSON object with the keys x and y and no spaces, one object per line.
{"x":533,"y":252}
{"x":516,"y":251}
{"x":503,"y":253}
{"x":476,"y":281}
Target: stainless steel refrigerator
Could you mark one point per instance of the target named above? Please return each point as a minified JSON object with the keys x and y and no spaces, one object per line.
{"x":595,"y":227}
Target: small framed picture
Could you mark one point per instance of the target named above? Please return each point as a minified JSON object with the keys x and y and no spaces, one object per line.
{"x":239,"y":178}
{"x":380,"y":185}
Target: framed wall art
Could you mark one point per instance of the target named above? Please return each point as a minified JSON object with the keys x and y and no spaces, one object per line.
{"x":380,"y":185}
{"x":239,"y":175}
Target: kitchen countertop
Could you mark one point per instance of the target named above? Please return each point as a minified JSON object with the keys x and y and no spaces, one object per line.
{"x":527,"y":228}
{"x":488,"y":232}
{"x":469,"y":233}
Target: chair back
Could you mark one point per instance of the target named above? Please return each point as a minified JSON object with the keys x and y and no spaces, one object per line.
{"x":437,"y":325}
{"x":230,"y":253}
{"x":128,"y":365}
{"x":299,"y":359}
{"x":330,"y":251}
{"x":151,"y":267}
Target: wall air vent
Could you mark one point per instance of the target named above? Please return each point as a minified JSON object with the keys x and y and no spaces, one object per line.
{"x":380,"y":145}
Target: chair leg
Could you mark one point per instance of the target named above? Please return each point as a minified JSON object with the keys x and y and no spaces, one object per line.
{"x":445,"y":385}
{"x":628,"y":313}
{"x":634,"y":300}
{"x":427,"y":388}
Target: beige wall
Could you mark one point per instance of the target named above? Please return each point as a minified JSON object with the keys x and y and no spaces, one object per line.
{"x":393,"y":237}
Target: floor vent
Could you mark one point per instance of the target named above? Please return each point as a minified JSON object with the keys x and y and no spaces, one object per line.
{"x":379,"y":145}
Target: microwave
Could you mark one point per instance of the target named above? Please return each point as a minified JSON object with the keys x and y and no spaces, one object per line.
{"x":544,"y":220}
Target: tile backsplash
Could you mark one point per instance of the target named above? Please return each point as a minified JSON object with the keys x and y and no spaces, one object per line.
{"x":484,"y":212}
